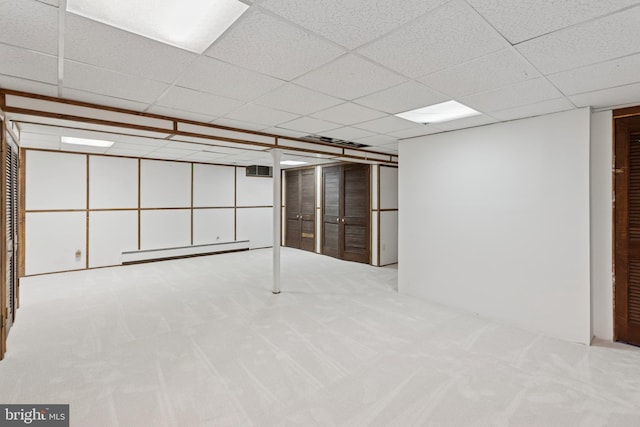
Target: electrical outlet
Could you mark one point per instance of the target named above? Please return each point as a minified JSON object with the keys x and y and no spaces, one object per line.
{"x":78,"y":254}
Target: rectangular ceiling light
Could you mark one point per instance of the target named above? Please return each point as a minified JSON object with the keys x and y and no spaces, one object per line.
{"x":188,"y":24}
{"x":86,"y":141}
{"x":443,"y":112}
{"x":292,"y":162}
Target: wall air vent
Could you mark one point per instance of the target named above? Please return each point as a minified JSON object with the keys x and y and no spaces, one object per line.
{"x":261,"y":171}
{"x":334,"y":141}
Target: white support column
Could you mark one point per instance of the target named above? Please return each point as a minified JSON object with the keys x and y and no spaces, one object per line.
{"x":277,"y":223}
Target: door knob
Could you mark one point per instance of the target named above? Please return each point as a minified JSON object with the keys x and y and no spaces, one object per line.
{"x":338,"y":219}
{"x":342,"y":219}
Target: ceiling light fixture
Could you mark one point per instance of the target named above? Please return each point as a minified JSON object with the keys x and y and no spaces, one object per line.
{"x":188,"y":24}
{"x":292,"y":162}
{"x":443,"y":112}
{"x":86,"y":141}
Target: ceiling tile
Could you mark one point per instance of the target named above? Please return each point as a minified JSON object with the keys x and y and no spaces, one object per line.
{"x":613,"y":97}
{"x":197,"y":102}
{"x":263,"y":115}
{"x":29,"y":24}
{"x":143,"y":148}
{"x":545,"y":107}
{"x":525,"y":19}
{"x":107,"y":47}
{"x":309,"y":125}
{"x":347,"y":133}
{"x":128,"y":153}
{"x":15,"y":83}
{"x":404,"y":97}
{"x":28,"y":64}
{"x":269,"y":45}
{"x":217,"y":77}
{"x":451,"y":35}
{"x":238,"y":124}
{"x":350,"y":23}
{"x":36,"y":140}
{"x":350,"y":77}
{"x":180,"y":114}
{"x":489,"y":72}
{"x":596,"y":41}
{"x":109,"y":83}
{"x":413,"y":132}
{"x":297,"y":100}
{"x":466,"y":122}
{"x":376,"y":140}
{"x":527,"y":92}
{"x":51,"y":2}
{"x":348,"y":114}
{"x":617,"y":72}
{"x":387,"y":124}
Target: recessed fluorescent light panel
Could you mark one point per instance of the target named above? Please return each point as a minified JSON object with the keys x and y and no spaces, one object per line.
{"x":188,"y":24}
{"x":450,"y":110}
{"x":292,"y":162}
{"x":86,"y":141}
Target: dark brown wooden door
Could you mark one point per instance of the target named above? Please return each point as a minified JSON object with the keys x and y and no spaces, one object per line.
{"x":346,"y":212}
{"x":627,"y":230}
{"x":331,"y":210}
{"x":356,"y":212}
{"x":300,"y":209}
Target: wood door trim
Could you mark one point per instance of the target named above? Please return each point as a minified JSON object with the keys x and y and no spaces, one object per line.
{"x":3,"y":239}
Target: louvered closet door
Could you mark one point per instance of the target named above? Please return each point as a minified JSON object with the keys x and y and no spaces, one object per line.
{"x":11,"y":209}
{"x":293,"y":225}
{"x":356,"y":213}
{"x":308,"y":209}
{"x":627,"y":231}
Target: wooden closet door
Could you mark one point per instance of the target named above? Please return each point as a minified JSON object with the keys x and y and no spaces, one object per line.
{"x":308,"y":209}
{"x":356,"y":213}
{"x":293,"y":226}
{"x":627,"y":230}
{"x":331,"y":212}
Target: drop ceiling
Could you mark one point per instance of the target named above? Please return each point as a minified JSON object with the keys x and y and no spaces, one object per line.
{"x":334,"y":68}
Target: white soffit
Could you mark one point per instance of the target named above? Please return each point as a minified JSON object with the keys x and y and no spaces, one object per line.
{"x":283,"y":142}
{"x":223,"y":133}
{"x":87,"y":112}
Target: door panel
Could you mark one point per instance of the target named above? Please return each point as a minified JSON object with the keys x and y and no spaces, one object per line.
{"x":356,"y":213}
{"x":300,"y":209}
{"x":10,"y":231}
{"x":331,"y":196}
{"x":308,"y":209}
{"x":627,"y":231}
{"x":293,"y":230}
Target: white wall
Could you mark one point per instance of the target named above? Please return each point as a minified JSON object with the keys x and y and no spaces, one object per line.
{"x":169,"y":212}
{"x":601,"y":224}
{"x":495,"y":220}
{"x":388,"y":218}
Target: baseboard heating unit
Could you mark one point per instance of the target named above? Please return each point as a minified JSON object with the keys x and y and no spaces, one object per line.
{"x":147,"y":255}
